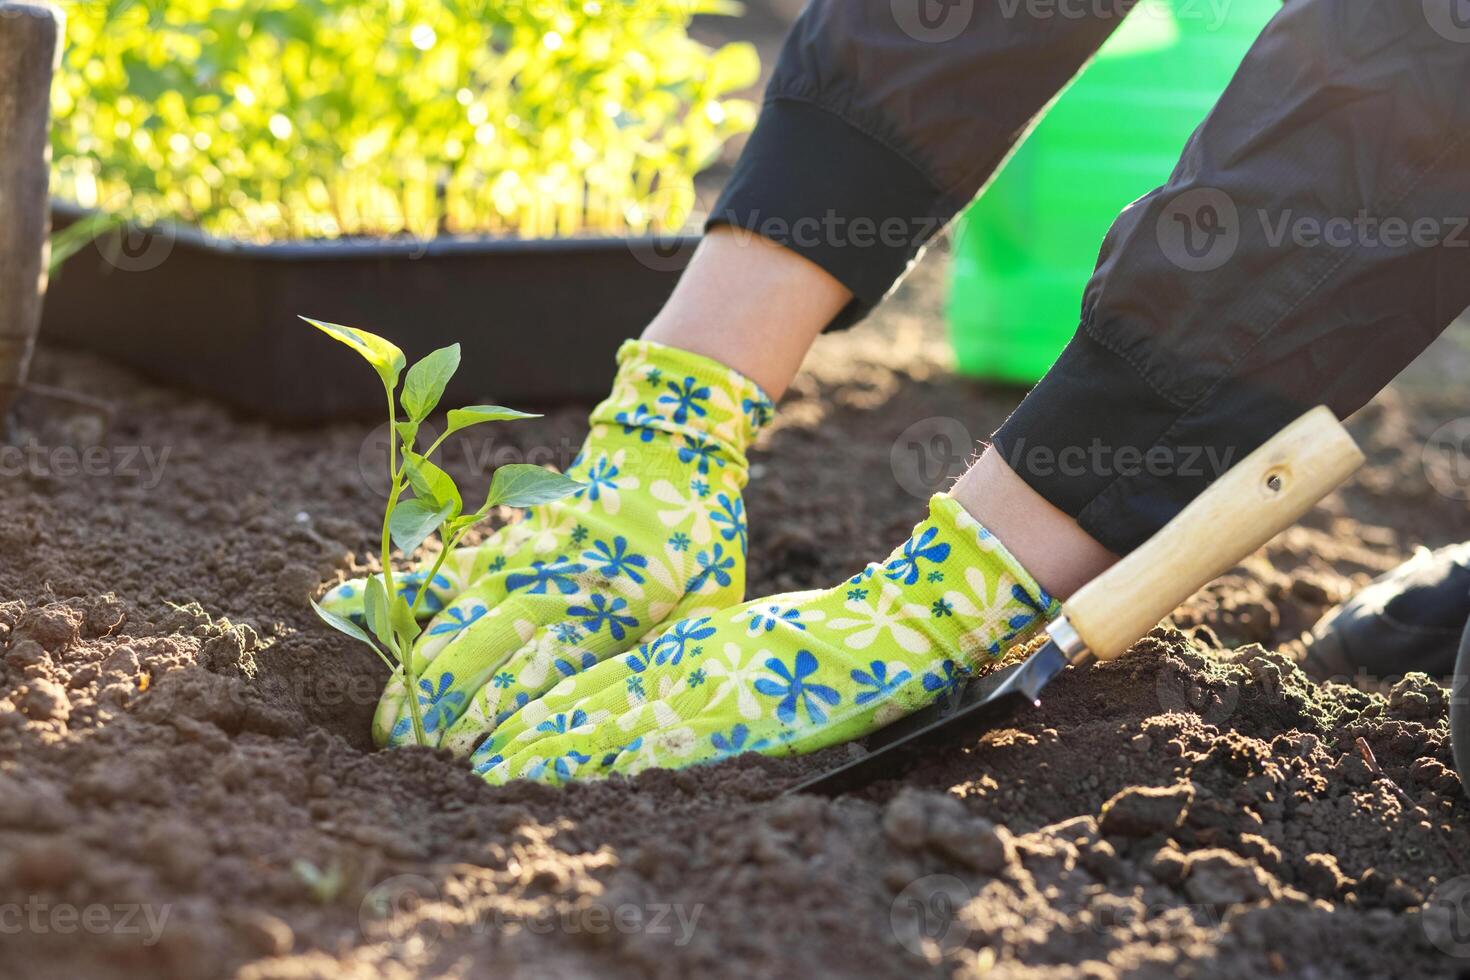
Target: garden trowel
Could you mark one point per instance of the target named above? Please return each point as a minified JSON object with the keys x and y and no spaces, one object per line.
{"x":1260,"y":496}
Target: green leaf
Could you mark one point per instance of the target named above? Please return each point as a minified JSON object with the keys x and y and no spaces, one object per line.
{"x":342,"y":624}
{"x":413,"y":521}
{"x":463,"y":418}
{"x":404,"y":624}
{"x":433,"y":484}
{"x":407,"y":433}
{"x":462,"y":523}
{"x":385,"y":358}
{"x":524,"y":485}
{"x":375,"y":607}
{"x":426,"y":380}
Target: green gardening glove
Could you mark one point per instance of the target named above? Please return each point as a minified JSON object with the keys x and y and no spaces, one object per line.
{"x":788,"y":674}
{"x":656,"y":534}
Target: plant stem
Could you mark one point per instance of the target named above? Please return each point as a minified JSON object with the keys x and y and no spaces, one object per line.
{"x":405,"y":657}
{"x":434,"y":571}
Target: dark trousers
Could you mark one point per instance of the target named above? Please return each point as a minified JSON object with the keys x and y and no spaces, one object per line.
{"x":1312,"y":240}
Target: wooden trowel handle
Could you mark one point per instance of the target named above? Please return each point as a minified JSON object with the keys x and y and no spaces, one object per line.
{"x":1263,"y":494}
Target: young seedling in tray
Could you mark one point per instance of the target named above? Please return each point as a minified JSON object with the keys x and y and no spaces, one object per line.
{"x":423,"y":500}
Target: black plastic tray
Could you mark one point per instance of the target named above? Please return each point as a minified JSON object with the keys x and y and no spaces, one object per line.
{"x":539,"y":320}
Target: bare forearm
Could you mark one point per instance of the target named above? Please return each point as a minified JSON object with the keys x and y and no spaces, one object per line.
{"x":751,"y":305}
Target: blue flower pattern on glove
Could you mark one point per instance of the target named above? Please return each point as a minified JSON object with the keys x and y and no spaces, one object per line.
{"x":795,"y":691}
{"x":459,"y":620}
{"x":714,"y":564}
{"x":440,"y":704}
{"x":561,"y":724}
{"x":641,"y":422}
{"x":767,"y":618}
{"x":409,"y":585}
{"x":947,"y":681}
{"x":686,"y":399}
{"x":730,"y":517}
{"x":656,"y":529}
{"x":600,"y":480}
{"x":602,"y":613}
{"x":876,"y":678}
{"x":905,"y":568}
{"x":737,"y":742}
{"x":701,"y":451}
{"x":546,"y":575}
{"x":615,"y":559}
{"x":793,"y":673}
{"x":670,"y":647}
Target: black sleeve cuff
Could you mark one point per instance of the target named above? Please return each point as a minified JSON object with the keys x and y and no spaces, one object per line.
{"x":814,"y":183}
{"x":1103,"y":445}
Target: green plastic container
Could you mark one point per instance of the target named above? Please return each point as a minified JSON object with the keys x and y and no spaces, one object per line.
{"x":1026,"y":248}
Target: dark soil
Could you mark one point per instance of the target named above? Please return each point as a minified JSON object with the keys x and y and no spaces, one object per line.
{"x":180,"y":738}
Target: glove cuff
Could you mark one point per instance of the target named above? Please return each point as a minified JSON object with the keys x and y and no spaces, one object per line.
{"x":981,"y":604}
{"x":665,"y":389}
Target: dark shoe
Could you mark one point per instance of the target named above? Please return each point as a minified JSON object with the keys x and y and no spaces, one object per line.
{"x":1408,"y":619}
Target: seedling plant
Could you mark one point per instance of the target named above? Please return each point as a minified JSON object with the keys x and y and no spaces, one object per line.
{"x":423,"y":499}
{"x":269,"y":120}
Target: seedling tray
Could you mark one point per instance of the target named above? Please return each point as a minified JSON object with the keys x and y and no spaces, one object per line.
{"x":540,"y":320}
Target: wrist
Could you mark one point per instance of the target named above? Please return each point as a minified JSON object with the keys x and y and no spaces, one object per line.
{"x":678,"y":393}
{"x":981,"y":602}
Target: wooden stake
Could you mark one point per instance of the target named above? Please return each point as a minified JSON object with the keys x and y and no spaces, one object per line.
{"x":30,"y":49}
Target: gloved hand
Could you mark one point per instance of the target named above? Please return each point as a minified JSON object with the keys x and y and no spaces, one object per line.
{"x":657,"y":533}
{"x":789,"y":674}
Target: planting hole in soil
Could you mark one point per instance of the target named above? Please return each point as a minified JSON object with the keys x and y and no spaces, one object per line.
{"x":188,"y":788}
